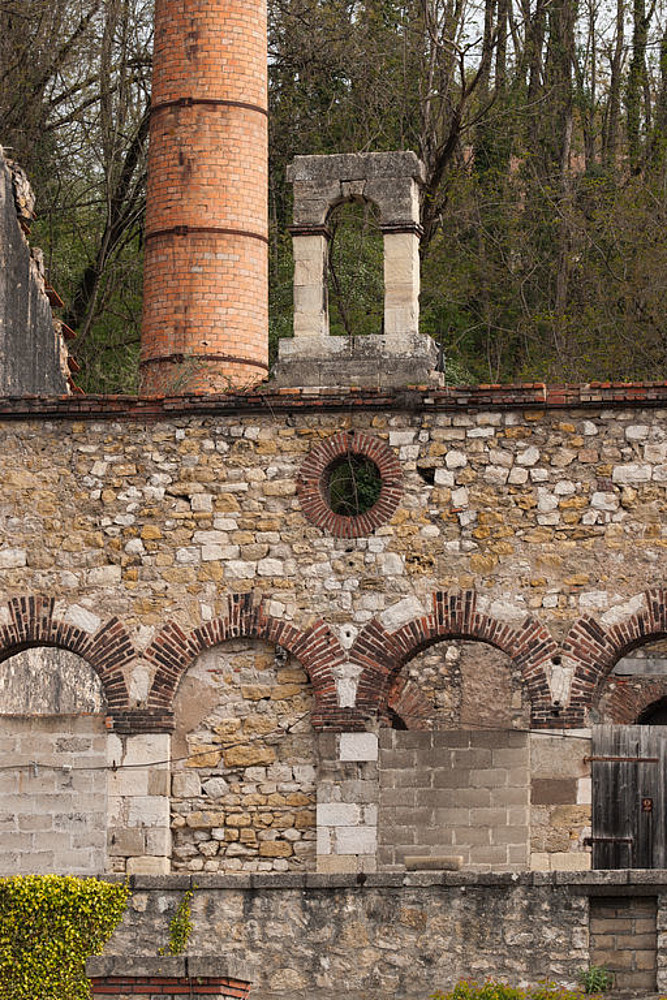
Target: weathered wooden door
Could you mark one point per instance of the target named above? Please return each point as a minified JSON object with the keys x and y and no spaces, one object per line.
{"x":628,"y":776}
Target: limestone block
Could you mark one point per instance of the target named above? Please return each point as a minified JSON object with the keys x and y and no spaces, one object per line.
{"x":133,"y":781}
{"x":186,"y":785}
{"x":148,"y":866}
{"x":148,"y":748}
{"x":148,"y":810}
{"x":355,"y":840}
{"x":125,"y":843}
{"x":12,"y":558}
{"x":358,"y":746}
{"x":157,"y":841}
{"x":337,"y":814}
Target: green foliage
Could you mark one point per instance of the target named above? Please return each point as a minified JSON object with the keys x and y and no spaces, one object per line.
{"x":49,"y":925}
{"x":354,"y":485}
{"x":595,"y":979}
{"x":495,"y":990}
{"x":180,"y":926}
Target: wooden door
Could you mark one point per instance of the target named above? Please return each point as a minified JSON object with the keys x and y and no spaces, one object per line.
{"x":628,"y":776}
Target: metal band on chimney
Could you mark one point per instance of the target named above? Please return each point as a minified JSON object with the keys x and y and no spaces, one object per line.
{"x":205,"y":230}
{"x":213,"y":102}
{"x":178,"y":359}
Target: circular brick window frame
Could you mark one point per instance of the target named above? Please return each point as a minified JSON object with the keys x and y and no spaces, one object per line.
{"x":313,"y":476}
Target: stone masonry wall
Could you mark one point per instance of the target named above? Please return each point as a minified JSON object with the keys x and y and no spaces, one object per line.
{"x":143,"y":535}
{"x":454,"y":793}
{"x":402,"y":936}
{"x":243,"y":784}
{"x":560,"y":795}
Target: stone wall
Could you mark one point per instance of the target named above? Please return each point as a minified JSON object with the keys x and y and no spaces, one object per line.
{"x":402,"y":936}
{"x":169,"y":545}
{"x":33,"y":357}
{"x":243,"y":784}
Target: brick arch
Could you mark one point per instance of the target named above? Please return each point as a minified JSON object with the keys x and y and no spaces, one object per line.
{"x":629,"y":698}
{"x":318,"y":650}
{"x":382,"y":654}
{"x":107,"y":650}
{"x":595,"y":649}
{"x":405,"y":700}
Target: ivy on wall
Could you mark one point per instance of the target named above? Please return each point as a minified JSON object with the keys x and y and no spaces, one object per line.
{"x":49,"y":925}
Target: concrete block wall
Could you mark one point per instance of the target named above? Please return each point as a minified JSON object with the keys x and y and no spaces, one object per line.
{"x":454,"y":793}
{"x":53,"y":817}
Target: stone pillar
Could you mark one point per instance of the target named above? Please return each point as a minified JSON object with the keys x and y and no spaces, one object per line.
{"x":139,"y":834}
{"x":347,"y":803}
{"x":311,"y":307}
{"x":130,"y":978}
{"x":401,"y":280}
{"x":205,"y":318}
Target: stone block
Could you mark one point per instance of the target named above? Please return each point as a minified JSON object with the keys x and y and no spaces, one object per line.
{"x":355,"y":840}
{"x":148,"y":748}
{"x":338,"y":814}
{"x":148,"y":866}
{"x":125,"y":843}
{"x":358,"y":746}
{"x":148,"y":810}
{"x":157,"y":841}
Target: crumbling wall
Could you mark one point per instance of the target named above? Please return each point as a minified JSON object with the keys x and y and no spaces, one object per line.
{"x":33,"y":358}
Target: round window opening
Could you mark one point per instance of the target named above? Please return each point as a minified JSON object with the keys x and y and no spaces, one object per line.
{"x":350,"y":484}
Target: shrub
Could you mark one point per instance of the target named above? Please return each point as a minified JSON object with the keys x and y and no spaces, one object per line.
{"x":49,"y":925}
{"x":595,"y":979}
{"x":495,"y":990}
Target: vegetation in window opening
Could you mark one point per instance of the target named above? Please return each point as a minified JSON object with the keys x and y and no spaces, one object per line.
{"x":49,"y":925}
{"x":353,"y":485}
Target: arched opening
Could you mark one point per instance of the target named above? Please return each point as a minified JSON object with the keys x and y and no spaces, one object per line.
{"x":355,"y":270}
{"x":243,"y":782}
{"x":454,"y":760}
{"x":654,"y":714}
{"x":637,"y":681}
{"x":54,"y":779}
{"x":466,"y":684}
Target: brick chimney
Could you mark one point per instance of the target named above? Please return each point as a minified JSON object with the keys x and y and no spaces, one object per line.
{"x":205,"y":320}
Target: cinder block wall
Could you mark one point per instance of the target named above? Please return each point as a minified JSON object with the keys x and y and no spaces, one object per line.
{"x":454,"y":793}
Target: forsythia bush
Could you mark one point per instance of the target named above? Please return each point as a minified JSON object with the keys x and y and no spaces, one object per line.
{"x":49,"y":925}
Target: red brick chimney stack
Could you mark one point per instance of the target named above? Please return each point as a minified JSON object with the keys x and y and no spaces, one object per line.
{"x":205,"y":321}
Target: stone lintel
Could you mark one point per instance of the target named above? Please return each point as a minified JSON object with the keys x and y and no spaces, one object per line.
{"x":356,"y":166}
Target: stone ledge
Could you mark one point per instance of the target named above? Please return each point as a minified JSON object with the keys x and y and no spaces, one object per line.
{"x":172,"y":966}
{"x":622,"y":881}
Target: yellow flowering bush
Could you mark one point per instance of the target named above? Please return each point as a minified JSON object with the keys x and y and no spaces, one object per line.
{"x":49,"y":925}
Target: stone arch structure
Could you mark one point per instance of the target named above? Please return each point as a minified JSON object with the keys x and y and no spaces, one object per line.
{"x":382,"y":654}
{"x":401,"y":355}
{"x":317,"y":649}
{"x":31,"y":621}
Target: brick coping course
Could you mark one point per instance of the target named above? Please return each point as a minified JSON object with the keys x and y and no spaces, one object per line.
{"x":531,"y":395}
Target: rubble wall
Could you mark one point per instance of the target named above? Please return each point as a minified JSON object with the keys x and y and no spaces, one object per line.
{"x":32,"y":355}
